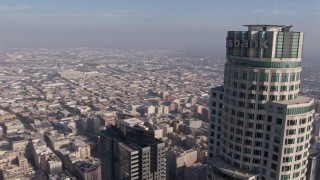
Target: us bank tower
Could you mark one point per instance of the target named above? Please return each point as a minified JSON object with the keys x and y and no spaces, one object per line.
{"x":260,"y":125}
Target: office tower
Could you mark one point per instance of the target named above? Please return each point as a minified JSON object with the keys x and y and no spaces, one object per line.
{"x":130,"y":150}
{"x":260,"y":126}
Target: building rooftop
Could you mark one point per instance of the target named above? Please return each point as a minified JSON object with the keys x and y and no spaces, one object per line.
{"x":314,"y":155}
{"x":217,"y":88}
{"x":132,"y":121}
{"x":53,"y":158}
{"x":266,"y":25}
{"x":89,"y":164}
{"x":196,"y":167}
{"x":64,"y":175}
{"x":299,"y":100}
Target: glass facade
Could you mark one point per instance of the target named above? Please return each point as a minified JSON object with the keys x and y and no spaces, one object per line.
{"x":261,"y":51}
{"x":299,"y":110}
{"x":275,"y":77}
{"x":292,"y":77}
{"x":264,"y":77}
{"x":279,"y":45}
{"x":287,"y":45}
{"x":284,"y":77}
{"x":253,"y":76}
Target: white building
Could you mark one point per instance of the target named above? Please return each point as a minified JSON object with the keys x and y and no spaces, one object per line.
{"x":260,"y":126}
{"x":150,"y":109}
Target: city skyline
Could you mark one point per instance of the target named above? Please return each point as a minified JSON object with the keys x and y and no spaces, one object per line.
{"x":145,"y":24}
{"x":171,"y":89}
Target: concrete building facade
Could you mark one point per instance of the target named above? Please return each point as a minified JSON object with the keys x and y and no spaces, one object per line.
{"x":260,"y":126}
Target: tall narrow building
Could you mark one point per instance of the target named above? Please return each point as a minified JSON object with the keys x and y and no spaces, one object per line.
{"x":130,"y":150}
{"x":260,"y":126}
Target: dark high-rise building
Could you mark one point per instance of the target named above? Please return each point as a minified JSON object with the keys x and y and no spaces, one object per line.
{"x":130,"y":150}
{"x":260,"y":125}
{"x":313,"y":172}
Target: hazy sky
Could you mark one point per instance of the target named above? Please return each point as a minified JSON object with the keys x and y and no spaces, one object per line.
{"x":198,"y":24}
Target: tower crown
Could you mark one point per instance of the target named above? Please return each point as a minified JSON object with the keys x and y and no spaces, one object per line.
{"x":268,"y":27}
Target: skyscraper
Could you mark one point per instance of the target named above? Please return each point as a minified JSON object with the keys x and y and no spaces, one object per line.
{"x":130,"y":150}
{"x":260,"y":126}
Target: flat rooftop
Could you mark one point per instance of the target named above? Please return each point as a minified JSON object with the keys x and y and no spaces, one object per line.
{"x":297,"y":101}
{"x":266,"y":25}
{"x":132,"y":121}
{"x":218,"y":88}
{"x":61,"y":175}
{"x":89,"y":164}
{"x":314,"y":155}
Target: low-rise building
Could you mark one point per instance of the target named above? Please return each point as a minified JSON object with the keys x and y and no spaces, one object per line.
{"x":88,"y":169}
{"x":179,"y":159}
